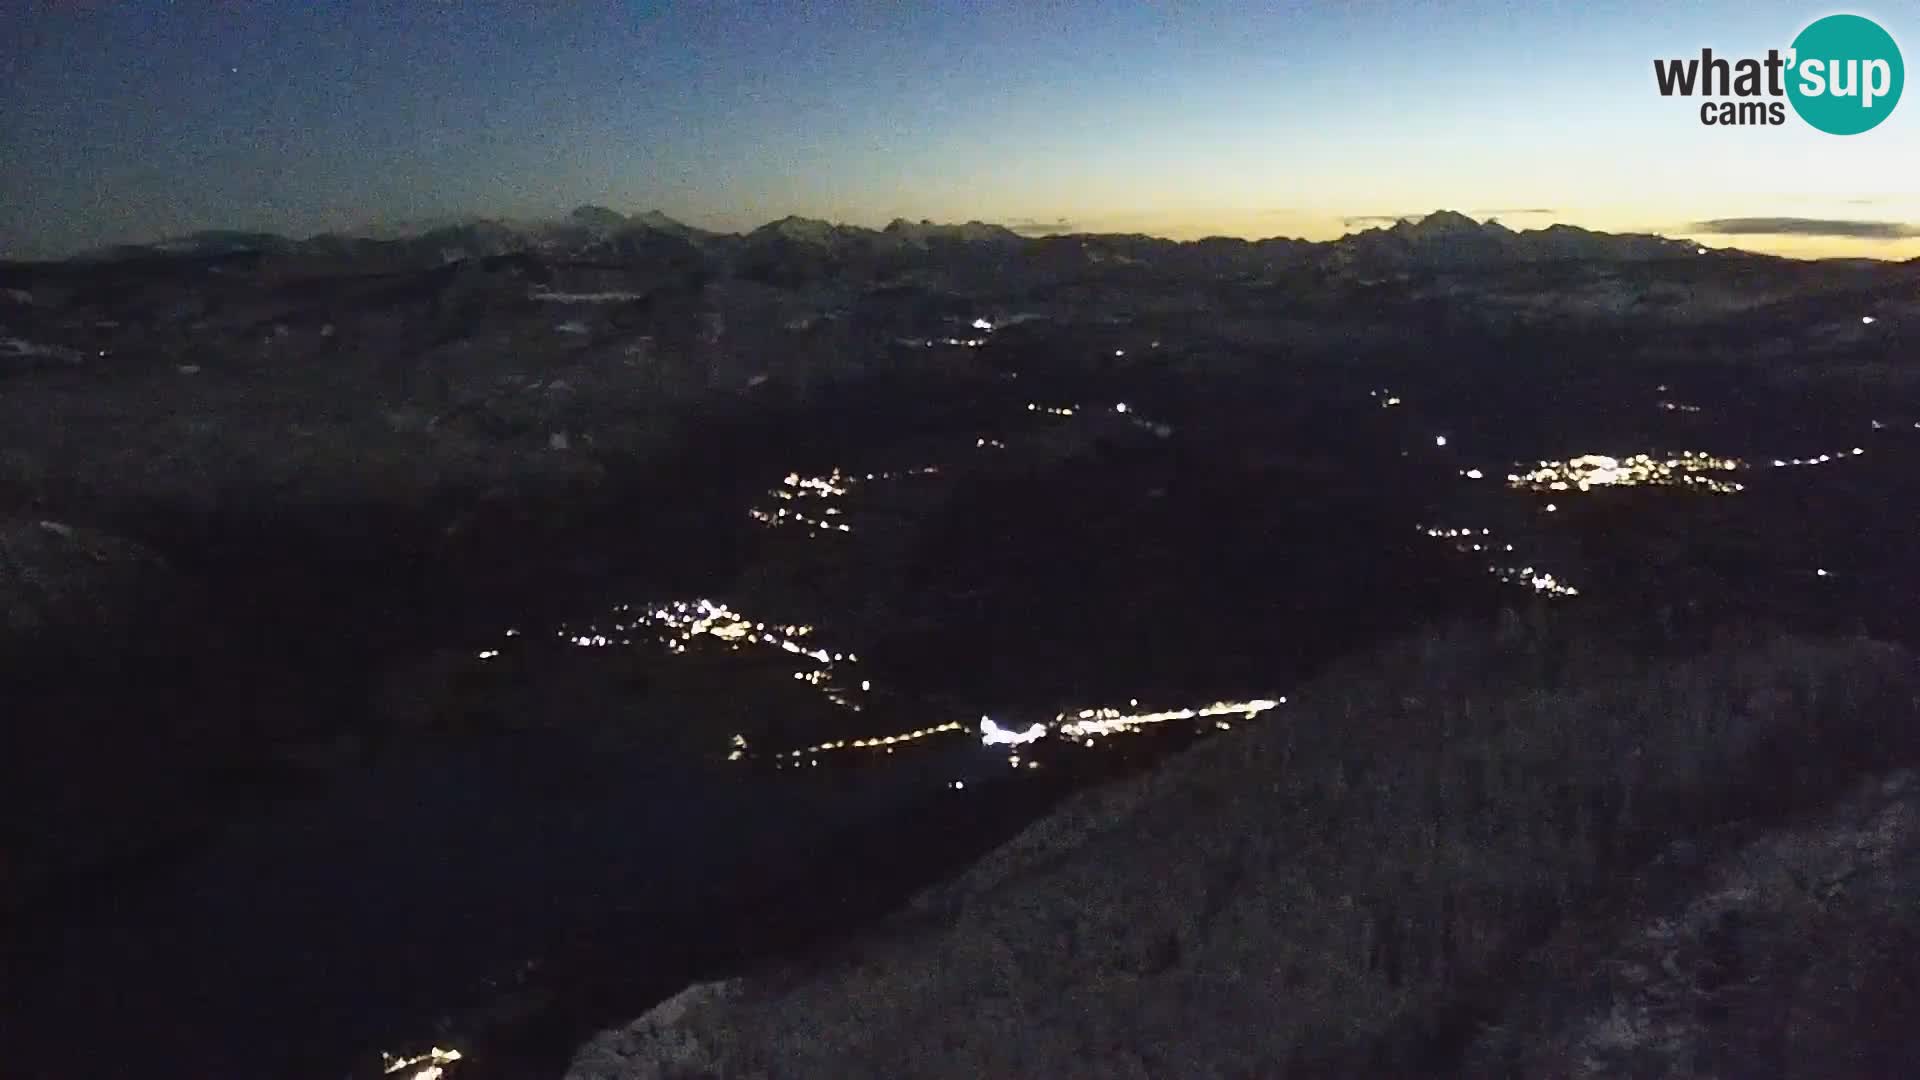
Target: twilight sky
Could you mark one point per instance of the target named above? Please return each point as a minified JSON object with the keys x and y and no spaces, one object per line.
{"x":136,"y":119}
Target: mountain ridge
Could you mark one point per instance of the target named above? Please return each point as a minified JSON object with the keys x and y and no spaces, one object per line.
{"x":1439,"y":240}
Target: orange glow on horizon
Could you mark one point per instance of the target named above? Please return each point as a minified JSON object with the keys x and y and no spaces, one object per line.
{"x":1321,"y":228}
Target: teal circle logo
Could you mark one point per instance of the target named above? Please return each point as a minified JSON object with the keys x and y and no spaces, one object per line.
{"x":1845,"y":75}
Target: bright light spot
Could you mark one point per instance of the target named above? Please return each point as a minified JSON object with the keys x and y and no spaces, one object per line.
{"x":1699,"y":251}
{"x":1551,"y":508}
{"x":1821,"y":573}
{"x":488,"y":654}
{"x":1866,"y":320}
{"x":982,"y":324}
{"x":993,"y":734}
{"x":865,"y":684}
{"x":1439,"y":440}
{"x":1120,"y":408}
{"x":1474,"y":474}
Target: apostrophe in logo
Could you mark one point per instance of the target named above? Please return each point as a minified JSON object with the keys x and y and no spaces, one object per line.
{"x":1843,"y":75}
{"x":1847,"y":74}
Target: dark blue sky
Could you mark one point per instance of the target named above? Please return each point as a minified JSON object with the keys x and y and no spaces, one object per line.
{"x":125,"y":121}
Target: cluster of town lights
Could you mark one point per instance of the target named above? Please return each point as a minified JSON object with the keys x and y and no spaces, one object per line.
{"x":434,"y":1064}
{"x":797,"y":489}
{"x":1584,"y":473}
{"x":679,"y":624}
{"x":1539,"y":581}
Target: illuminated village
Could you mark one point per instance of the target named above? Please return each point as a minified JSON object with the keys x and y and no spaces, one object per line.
{"x":432,"y":1065}
{"x":796,"y":493}
{"x":1689,"y":469}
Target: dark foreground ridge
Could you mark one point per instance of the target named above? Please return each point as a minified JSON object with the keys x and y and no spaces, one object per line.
{"x":1525,"y":858}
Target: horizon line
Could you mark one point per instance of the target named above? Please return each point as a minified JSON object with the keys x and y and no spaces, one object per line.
{"x":1026,"y":228}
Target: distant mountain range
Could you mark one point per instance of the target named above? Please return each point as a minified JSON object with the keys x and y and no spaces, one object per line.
{"x":804,"y":248}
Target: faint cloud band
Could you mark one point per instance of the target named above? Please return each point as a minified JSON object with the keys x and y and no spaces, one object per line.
{"x":1034,"y":227}
{"x":1796,"y":226}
